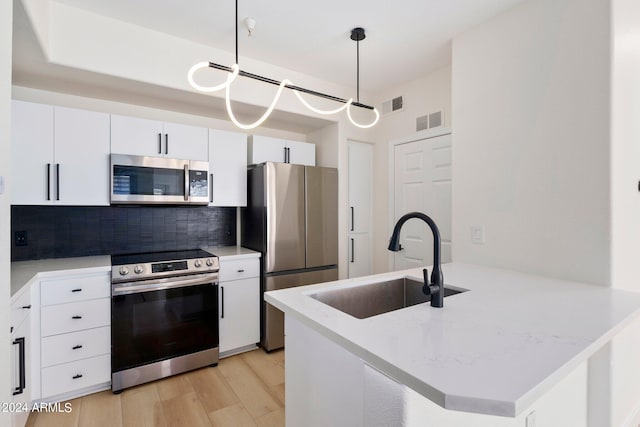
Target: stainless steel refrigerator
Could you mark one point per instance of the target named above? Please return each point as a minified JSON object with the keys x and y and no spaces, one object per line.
{"x":292,"y":219}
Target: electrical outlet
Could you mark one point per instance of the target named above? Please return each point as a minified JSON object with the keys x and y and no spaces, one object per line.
{"x":20,"y":238}
{"x":477,"y":234}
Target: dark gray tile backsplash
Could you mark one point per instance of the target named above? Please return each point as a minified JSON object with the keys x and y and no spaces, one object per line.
{"x":70,"y":231}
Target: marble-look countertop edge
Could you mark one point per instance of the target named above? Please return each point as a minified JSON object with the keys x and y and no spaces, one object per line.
{"x":311,"y":314}
{"x":231,"y":252}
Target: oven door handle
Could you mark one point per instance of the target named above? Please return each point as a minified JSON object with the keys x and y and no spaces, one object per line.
{"x":161,"y":284}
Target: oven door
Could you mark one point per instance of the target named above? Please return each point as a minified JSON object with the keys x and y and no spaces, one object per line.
{"x":166,"y":318}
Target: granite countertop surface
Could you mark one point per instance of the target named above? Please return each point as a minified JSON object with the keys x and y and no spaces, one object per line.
{"x":493,"y":350}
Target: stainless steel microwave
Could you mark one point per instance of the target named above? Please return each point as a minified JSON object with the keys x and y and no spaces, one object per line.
{"x":158,"y":180}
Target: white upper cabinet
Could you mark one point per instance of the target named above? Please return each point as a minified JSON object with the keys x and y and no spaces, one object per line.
{"x":81,"y":141}
{"x":59,"y":155}
{"x":142,"y":137}
{"x":31,"y":153}
{"x":266,"y":149}
{"x":227,"y":168}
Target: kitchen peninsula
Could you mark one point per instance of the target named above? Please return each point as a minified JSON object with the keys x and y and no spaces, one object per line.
{"x":512,"y":348}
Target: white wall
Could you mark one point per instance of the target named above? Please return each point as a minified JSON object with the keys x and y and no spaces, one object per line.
{"x":6,"y":13}
{"x":625,"y":203}
{"x":530,"y":143}
{"x":422,"y":96}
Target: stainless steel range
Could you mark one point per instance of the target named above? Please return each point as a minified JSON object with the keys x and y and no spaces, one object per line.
{"x":164,"y":315}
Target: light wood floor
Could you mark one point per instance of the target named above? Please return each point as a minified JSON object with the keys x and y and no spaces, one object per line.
{"x":243,"y":390}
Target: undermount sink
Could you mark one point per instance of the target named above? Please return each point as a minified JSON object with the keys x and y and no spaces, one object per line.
{"x":376,"y":298}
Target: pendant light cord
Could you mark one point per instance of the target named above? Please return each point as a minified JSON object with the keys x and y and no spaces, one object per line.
{"x":237,"y":32}
{"x":358,"y":70}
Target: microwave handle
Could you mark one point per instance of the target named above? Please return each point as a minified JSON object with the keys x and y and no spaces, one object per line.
{"x":186,"y":183}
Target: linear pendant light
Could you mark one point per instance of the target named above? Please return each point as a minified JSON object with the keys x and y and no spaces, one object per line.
{"x":357,"y":34}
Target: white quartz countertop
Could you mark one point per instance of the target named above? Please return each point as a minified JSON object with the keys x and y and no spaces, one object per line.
{"x":223,"y":252}
{"x":493,"y":350}
{"x":23,"y":271}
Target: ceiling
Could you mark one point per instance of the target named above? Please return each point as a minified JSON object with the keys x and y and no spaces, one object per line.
{"x":405,"y":40}
{"x":402,"y":44}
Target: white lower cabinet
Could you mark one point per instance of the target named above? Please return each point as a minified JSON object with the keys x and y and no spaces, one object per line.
{"x":239,"y":305}
{"x":69,"y":377}
{"x":75,"y":335}
{"x":20,"y":359}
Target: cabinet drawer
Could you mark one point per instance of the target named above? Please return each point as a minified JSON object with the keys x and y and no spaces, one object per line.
{"x":75,"y":375}
{"x":20,"y":309}
{"x":75,"y":316}
{"x":75,"y":289}
{"x":74,"y":346}
{"x":239,"y":269}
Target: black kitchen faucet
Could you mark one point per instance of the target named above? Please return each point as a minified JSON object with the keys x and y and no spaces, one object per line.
{"x":436,"y":287}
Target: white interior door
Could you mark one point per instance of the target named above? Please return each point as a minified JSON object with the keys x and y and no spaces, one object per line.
{"x":360,"y":207}
{"x":423,"y":184}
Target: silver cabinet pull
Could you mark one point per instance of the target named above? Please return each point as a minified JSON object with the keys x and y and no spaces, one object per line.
{"x":186,"y":182}
{"x":211,"y":188}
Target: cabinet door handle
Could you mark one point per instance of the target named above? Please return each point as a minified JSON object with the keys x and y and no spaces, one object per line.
{"x":241,"y":271}
{"x":22,"y":368}
{"x":76,"y":317}
{"x":186,"y":182}
{"x":222,"y":301}
{"x":159,"y":143}
{"x":288,"y":155}
{"x":352,"y":219}
{"x":76,"y":290}
{"x":57,"y":181}
{"x":75,"y":377}
{"x":166,"y":143}
{"x":76,"y":347}
{"x":353,"y":249}
{"x":285,"y":154}
{"x":26,"y":307}
{"x":211,"y":188}
{"x":48,"y":181}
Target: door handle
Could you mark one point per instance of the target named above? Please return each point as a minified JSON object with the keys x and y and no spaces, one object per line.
{"x":352,"y":219}
{"x":76,"y":317}
{"x":57,"y":181}
{"x":186,"y":182}
{"x":353,"y":249}
{"x":159,"y":143}
{"x":166,"y":143}
{"x":211,"y":188}
{"x":76,"y":290}
{"x":22,"y":368}
{"x":48,"y":181}
{"x":285,"y":154}
{"x":75,"y":377}
{"x":222,"y":301}
{"x":76,"y":347}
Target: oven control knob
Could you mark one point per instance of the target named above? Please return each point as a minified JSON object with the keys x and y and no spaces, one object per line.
{"x":138,"y":269}
{"x":123,"y":271}
{"x":197,"y":263}
{"x":209,"y":262}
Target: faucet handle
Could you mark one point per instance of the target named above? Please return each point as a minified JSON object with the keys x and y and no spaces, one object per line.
{"x":425,"y":276}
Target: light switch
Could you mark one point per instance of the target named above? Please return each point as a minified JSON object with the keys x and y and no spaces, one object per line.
{"x":477,"y":234}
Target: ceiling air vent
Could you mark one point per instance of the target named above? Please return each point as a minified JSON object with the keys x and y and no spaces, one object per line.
{"x":429,"y":121}
{"x":393,"y":105}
